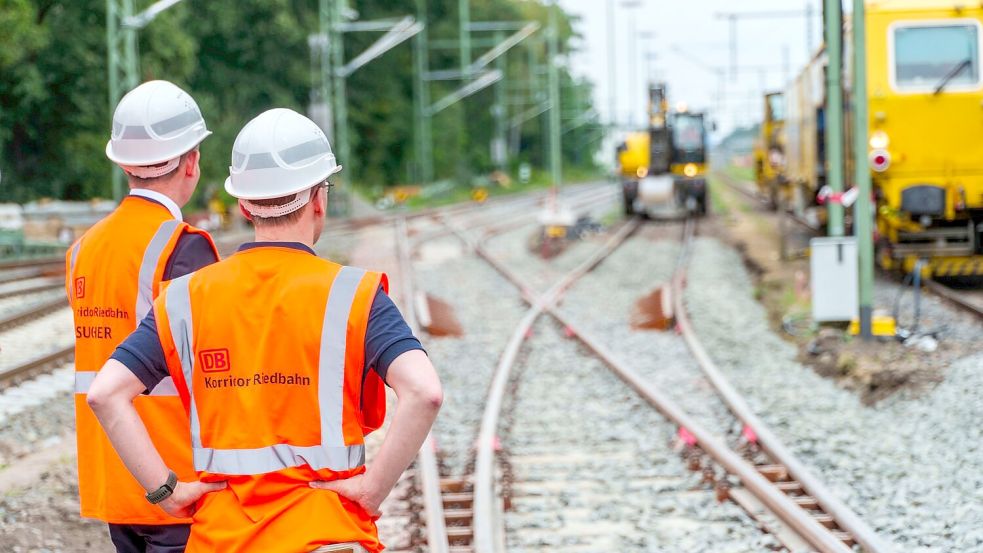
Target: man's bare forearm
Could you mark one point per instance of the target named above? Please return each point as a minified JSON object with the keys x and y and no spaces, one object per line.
{"x":111,"y":398}
{"x":419,"y":398}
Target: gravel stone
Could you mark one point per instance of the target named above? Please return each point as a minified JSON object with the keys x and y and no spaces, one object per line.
{"x":911,"y":466}
{"x":44,"y":334}
{"x":594,"y":469}
{"x":488,"y":309}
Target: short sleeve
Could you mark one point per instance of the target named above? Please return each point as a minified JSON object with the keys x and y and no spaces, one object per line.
{"x":142,"y":353}
{"x":387,"y":335}
{"x":192,"y":252}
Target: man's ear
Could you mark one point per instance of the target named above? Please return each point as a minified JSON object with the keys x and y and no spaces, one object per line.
{"x":245,"y":213}
{"x":191,"y":162}
{"x":320,"y":201}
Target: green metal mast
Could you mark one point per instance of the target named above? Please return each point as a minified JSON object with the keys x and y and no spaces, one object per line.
{"x":499,"y":156}
{"x":834,"y":112}
{"x":464,"y":16}
{"x":340,"y":97}
{"x":863,"y":213}
{"x":555,"y":106}
{"x":325,"y":34}
{"x":124,"y":73}
{"x":424,"y":140}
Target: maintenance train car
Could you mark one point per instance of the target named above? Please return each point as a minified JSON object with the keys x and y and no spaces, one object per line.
{"x":925,"y":92}
{"x":769,"y":151}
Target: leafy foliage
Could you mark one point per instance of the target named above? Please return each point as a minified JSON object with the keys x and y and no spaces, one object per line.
{"x":240,"y":57}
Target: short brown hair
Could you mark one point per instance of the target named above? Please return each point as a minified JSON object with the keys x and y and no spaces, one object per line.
{"x":282,"y":220}
{"x":141,"y":182}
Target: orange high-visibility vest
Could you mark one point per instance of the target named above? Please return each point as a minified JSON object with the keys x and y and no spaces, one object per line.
{"x":113,"y":273}
{"x":267,"y":350}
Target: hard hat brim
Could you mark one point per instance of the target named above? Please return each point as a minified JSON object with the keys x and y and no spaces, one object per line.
{"x":231,"y":189}
{"x":122,"y":160}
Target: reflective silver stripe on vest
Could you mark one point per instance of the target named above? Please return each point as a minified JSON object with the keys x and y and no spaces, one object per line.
{"x":148,"y":267}
{"x":75,"y":255}
{"x":332,"y":454}
{"x":83,"y":381}
{"x":277,"y":457}
{"x":331,"y":362}
{"x":178,"y":304}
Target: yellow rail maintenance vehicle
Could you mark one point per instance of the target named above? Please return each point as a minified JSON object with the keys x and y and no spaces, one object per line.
{"x":769,"y":152}
{"x":645,"y":153}
{"x":633,"y":164}
{"x":925,"y":90}
{"x":688,"y":163}
{"x":925,"y":104}
{"x":804,"y":168}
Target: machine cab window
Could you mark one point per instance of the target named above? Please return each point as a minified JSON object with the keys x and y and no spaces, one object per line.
{"x":936,"y":57}
{"x":776,"y":107}
{"x":688,"y":140}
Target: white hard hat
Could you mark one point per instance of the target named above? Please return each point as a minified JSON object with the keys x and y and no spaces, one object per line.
{"x":154,"y":123}
{"x":280,"y":152}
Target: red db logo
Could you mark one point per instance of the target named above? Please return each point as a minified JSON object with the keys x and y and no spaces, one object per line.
{"x":214,"y":360}
{"x":80,"y":287}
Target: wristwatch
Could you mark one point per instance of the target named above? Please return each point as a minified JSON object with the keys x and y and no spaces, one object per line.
{"x":165,"y":491}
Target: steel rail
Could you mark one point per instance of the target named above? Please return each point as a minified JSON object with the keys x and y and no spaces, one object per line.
{"x":426,"y":461}
{"x":484,"y":472}
{"x":844,"y":516}
{"x":954,"y":298}
{"x":13,"y":275}
{"x":11,"y":375}
{"x":33,"y":312}
{"x":761,"y":487}
{"x":508,"y":222}
{"x":32,"y":262}
{"x":50,"y":283}
{"x":731,"y":182}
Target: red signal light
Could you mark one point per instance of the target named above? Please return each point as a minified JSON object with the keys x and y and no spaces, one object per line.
{"x":880,"y":160}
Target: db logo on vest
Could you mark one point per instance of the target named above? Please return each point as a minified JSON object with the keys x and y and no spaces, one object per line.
{"x":214,"y":360}
{"x":80,"y":287}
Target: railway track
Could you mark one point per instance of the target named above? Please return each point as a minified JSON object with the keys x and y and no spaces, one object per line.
{"x":447,"y":501}
{"x":772,"y":482}
{"x":41,"y":364}
{"x":764,"y":204}
{"x":970,"y":301}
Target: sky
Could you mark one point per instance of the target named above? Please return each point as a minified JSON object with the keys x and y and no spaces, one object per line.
{"x":683,"y":43}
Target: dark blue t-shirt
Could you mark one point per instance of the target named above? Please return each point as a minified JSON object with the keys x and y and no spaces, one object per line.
{"x":387,"y":336}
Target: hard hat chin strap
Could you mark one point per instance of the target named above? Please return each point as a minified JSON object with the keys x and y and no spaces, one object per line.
{"x":271,"y":211}
{"x":153,"y":171}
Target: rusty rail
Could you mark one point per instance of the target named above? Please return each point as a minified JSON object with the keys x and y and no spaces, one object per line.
{"x":954,"y":298}
{"x":768,"y":493}
{"x":32,"y":262}
{"x":14,"y":289}
{"x":24,"y":370}
{"x":23,"y":316}
{"x":426,"y":460}
{"x":844,"y":516}
{"x":484,"y":473}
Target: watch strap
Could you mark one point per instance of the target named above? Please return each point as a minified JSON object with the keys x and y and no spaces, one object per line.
{"x":165,"y":491}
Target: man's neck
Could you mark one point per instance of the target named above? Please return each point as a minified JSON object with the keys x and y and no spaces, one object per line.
{"x":161,"y":188}
{"x":285,"y":234}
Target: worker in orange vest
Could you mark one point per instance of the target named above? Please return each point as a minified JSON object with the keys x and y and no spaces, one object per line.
{"x":280,"y":358}
{"x":113,"y":273}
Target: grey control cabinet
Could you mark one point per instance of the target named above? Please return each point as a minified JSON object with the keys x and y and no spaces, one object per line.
{"x":833,"y":268}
